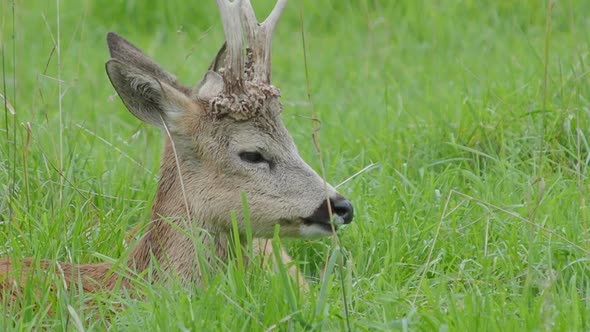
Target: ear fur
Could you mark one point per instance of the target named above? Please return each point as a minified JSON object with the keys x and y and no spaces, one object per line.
{"x":145,"y":96}
{"x":211,"y":85}
{"x":219,"y":59}
{"x":122,"y":50}
{"x":150,"y":93}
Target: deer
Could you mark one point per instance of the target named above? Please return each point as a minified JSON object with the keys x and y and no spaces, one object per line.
{"x":224,"y":138}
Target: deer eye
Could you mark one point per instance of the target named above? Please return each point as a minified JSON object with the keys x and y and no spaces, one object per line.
{"x":252,"y":157}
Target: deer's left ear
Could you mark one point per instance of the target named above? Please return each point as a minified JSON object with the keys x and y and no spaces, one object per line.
{"x":121,"y":49}
{"x":148,"y":98}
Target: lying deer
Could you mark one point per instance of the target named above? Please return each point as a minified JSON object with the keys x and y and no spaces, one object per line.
{"x":223,"y":138}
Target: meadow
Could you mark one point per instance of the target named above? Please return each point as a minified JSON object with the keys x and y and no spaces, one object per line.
{"x":460,"y":130}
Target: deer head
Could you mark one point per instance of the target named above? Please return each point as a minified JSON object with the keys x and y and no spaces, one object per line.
{"x":227,"y":135}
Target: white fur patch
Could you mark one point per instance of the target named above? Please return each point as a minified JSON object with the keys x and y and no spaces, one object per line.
{"x":313,"y":231}
{"x":316,"y":230}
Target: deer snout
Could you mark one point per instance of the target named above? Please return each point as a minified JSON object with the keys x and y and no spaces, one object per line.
{"x":343,"y":208}
{"x":340,"y":207}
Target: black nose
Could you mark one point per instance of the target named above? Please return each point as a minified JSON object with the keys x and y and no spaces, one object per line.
{"x":343,"y":208}
{"x":340,"y":207}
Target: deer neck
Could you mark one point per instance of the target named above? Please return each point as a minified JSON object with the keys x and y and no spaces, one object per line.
{"x":173,"y":229}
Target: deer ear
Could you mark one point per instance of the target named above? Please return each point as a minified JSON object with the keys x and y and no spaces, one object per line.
{"x":122,"y":50}
{"x":211,"y":85}
{"x":219,"y":59}
{"x":148,"y":98}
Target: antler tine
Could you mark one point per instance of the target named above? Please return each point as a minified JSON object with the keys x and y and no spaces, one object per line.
{"x":259,"y":37}
{"x":249,"y":20}
{"x":275,"y":15}
{"x":230,"y":18}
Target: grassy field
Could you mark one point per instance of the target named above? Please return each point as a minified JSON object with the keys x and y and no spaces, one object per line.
{"x":476,"y":115}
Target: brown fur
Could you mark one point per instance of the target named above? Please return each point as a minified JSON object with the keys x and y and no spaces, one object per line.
{"x":204,"y":173}
{"x":92,"y":277}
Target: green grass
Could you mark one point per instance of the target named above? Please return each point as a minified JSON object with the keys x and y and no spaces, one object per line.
{"x":475,"y":219}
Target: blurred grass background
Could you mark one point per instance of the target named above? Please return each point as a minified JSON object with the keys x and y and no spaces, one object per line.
{"x":476,"y":217}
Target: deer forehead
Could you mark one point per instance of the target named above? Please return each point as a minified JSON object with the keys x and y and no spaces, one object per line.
{"x":263,"y":131}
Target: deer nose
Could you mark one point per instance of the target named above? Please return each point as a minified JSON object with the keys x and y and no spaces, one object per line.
{"x":339,"y":205}
{"x":343,"y":208}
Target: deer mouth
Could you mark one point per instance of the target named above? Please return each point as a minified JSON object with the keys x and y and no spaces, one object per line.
{"x":323,"y":224}
{"x":314,"y":228}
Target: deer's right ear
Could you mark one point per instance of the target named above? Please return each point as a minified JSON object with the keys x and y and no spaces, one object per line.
{"x":148,"y":98}
{"x":212,"y":84}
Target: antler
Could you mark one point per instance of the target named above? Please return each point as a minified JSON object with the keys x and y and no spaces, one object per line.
{"x":260,"y":38}
{"x":239,"y":14}
{"x":234,"y":62}
{"x":241,"y":88}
